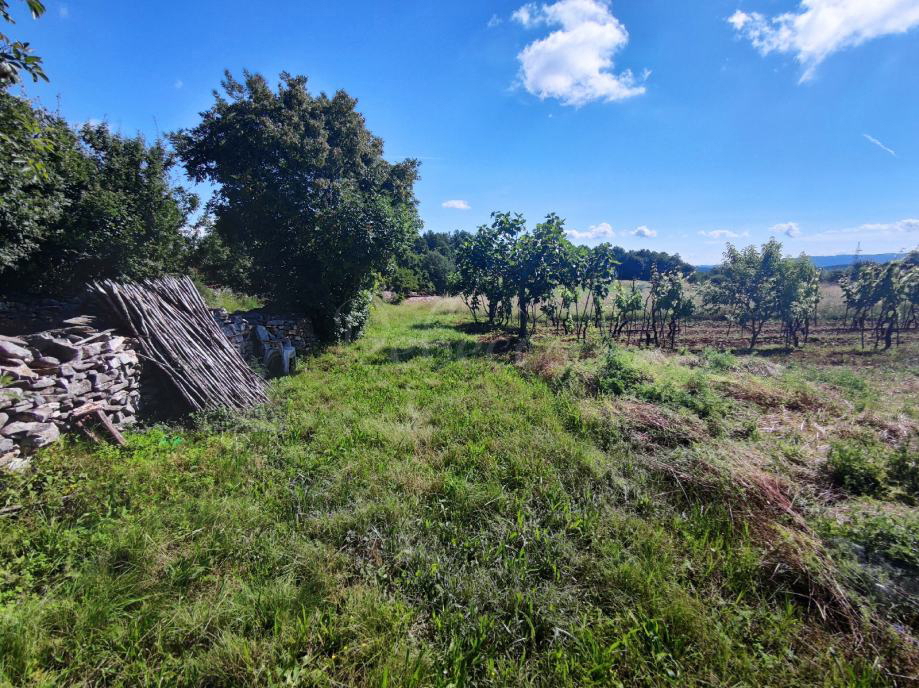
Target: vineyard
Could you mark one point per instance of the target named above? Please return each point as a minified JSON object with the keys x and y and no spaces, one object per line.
{"x":759,"y":297}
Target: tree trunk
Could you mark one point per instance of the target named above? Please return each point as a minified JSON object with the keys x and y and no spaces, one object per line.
{"x":522,"y":306}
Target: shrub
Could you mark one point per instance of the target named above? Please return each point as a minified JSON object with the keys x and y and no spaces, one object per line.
{"x":855,"y":468}
{"x":718,"y":360}
{"x":696,"y":395}
{"x":618,"y":375}
{"x":904,"y":470}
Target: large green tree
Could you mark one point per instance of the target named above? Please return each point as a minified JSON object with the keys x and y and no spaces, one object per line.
{"x":76,"y":206}
{"x":304,"y":191}
{"x":36,"y":151}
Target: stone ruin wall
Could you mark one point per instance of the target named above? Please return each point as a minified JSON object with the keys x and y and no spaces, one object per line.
{"x":240,"y":330}
{"x":53,"y":373}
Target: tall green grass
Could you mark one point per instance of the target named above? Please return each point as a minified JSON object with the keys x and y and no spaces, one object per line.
{"x":408,"y":511}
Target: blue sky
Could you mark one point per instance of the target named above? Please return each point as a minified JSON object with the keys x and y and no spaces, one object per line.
{"x":648,"y":123}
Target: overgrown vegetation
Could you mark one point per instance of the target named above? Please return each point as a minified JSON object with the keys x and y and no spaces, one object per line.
{"x":883,"y":300}
{"x":414,"y":509}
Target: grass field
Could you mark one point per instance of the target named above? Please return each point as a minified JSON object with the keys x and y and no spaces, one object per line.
{"x":426,"y":507}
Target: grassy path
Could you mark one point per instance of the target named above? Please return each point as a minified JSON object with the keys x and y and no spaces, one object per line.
{"x":408,"y":512}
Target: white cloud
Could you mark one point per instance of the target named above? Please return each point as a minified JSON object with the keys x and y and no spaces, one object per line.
{"x":601,"y":231}
{"x":721,"y":234}
{"x":880,"y":145}
{"x":821,"y":27}
{"x":895,"y":231}
{"x":644,"y":232}
{"x":494,"y":21}
{"x":63,"y":11}
{"x":456,"y":204}
{"x":179,"y":83}
{"x":528,"y":15}
{"x":574,"y":63}
{"x":789,"y":229}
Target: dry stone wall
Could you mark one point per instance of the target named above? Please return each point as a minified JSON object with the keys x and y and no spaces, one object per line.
{"x":240,"y":330}
{"x":48,"y":376}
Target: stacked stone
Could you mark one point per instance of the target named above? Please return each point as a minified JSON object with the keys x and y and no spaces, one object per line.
{"x":49,"y":375}
{"x":239,"y":328}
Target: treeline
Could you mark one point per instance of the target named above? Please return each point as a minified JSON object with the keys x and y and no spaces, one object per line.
{"x":430,"y":265}
{"x":307,"y":215}
{"x":78,"y":204}
{"x":506,"y":272}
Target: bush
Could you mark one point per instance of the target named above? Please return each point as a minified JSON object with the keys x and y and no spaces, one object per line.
{"x":697,"y":396}
{"x":618,"y":375}
{"x":855,"y":468}
{"x":904,"y":470}
{"x":721,"y":361}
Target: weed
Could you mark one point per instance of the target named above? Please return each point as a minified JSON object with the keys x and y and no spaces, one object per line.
{"x":618,"y":374}
{"x":855,"y":467}
{"x":721,"y":361}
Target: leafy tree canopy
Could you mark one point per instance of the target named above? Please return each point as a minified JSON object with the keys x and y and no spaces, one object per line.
{"x":305,"y":193}
{"x":100,"y":204}
{"x":16,"y":56}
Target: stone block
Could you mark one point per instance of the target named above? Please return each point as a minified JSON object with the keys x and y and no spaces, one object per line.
{"x":18,"y":372}
{"x":58,"y":347}
{"x":10,"y":350}
{"x":9,"y":396}
{"x":46,"y":362}
{"x":42,"y":383}
{"x":39,"y":414}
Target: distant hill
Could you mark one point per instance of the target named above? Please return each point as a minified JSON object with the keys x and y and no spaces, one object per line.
{"x":840,"y":261}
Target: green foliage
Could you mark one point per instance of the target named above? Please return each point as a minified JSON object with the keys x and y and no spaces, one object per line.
{"x":407,"y":513}
{"x":305,"y":192}
{"x":483,"y":268}
{"x":229,"y":300}
{"x":754,"y":286}
{"x":857,"y":468}
{"x":893,"y":536}
{"x":428,"y":265}
{"x":722,"y":361}
{"x":797,"y":297}
{"x":618,"y":374}
{"x":123,"y":219}
{"x":37,"y":154}
{"x":883,"y":299}
{"x":16,"y":56}
{"x":667,"y":308}
{"x":904,"y":469}
{"x":211,"y":258}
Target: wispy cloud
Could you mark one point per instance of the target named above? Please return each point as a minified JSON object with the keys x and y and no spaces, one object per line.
{"x":456,"y":204}
{"x":594,"y":233}
{"x":789,"y":229}
{"x":644,"y":232}
{"x":820,"y":28}
{"x":880,"y":145}
{"x":906,"y":230}
{"x":574,"y":63}
{"x":179,"y":83}
{"x":63,"y":11}
{"x":494,"y":21}
{"x":721,"y":234}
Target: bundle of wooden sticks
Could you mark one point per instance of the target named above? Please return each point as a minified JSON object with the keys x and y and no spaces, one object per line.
{"x":178,"y":334}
